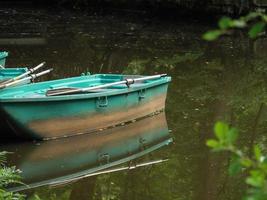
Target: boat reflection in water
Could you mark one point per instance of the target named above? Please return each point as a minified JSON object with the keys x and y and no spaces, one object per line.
{"x":56,"y":161}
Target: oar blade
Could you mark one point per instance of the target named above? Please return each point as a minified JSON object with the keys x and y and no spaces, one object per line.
{"x":62,"y":91}
{"x":70,"y":90}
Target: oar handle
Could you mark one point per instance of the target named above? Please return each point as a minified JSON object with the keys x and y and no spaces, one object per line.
{"x":130,"y":81}
{"x":37,"y":67}
{"x":30,"y":71}
{"x":149,"y":77}
{"x":34,"y":76}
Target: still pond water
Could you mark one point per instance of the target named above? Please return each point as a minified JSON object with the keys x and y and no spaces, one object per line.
{"x":225,"y":80}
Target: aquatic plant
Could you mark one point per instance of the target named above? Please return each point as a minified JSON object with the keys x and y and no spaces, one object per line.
{"x":254,"y":165}
{"x":8,"y":176}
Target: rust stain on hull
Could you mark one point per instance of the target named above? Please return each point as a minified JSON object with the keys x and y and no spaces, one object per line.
{"x":67,"y":126}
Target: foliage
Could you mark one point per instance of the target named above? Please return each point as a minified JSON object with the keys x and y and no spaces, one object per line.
{"x":8,"y":175}
{"x":255,"y":21}
{"x":256,"y":165}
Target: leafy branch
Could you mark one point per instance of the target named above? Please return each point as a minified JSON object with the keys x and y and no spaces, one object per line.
{"x":8,"y":175}
{"x":254,"y":21}
{"x":255,"y":166}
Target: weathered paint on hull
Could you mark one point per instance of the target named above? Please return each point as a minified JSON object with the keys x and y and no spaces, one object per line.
{"x":42,"y":120}
{"x":90,"y":152}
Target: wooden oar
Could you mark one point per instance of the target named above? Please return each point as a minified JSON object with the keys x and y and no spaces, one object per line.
{"x":30,"y":77}
{"x":72,"y":90}
{"x":30,"y":71}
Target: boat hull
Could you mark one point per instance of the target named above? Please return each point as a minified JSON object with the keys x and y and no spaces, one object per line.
{"x":54,"y":119}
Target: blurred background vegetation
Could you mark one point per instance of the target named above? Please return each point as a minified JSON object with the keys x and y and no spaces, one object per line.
{"x":211,"y":6}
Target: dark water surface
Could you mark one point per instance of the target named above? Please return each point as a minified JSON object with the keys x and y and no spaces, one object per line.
{"x":225,"y":80}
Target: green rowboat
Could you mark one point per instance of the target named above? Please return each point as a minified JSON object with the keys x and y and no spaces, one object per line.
{"x":66,"y":107}
{"x":8,"y":73}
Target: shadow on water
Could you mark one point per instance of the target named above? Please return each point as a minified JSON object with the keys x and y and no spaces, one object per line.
{"x":225,"y":80}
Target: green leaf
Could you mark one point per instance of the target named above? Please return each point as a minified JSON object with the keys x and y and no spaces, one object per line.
{"x":37,"y":197}
{"x":232,"y":135}
{"x":212,"y":143}
{"x":225,"y":23}
{"x":256,"y":29}
{"x":257,"y":152}
{"x":264,"y":161}
{"x":221,"y":130}
{"x":254,"y":181}
{"x":3,"y":157}
{"x":235,"y":166}
{"x":239,"y":23}
{"x":212,"y":35}
{"x":246,"y":162}
{"x":256,"y":178}
{"x":252,"y":15}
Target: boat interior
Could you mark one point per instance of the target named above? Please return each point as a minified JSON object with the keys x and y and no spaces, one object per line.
{"x":40,"y":89}
{"x":11,"y":72}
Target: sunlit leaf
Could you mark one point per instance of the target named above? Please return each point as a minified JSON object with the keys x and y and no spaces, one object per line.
{"x":256,"y":178}
{"x":257,"y":152}
{"x":254,"y":181}
{"x":239,"y":23}
{"x":212,"y":143}
{"x":252,"y":15}
{"x":232,"y":135}
{"x":225,"y":22}
{"x":246,"y":162}
{"x":256,"y":29}
{"x":221,"y":130}
{"x":212,"y":35}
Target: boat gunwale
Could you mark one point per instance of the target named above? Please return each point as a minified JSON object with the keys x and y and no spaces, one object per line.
{"x":161,"y":81}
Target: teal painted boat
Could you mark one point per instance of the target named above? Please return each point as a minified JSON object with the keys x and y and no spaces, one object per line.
{"x":8,"y":73}
{"x":72,"y":158}
{"x":32,"y":113}
{"x":3,"y":56}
